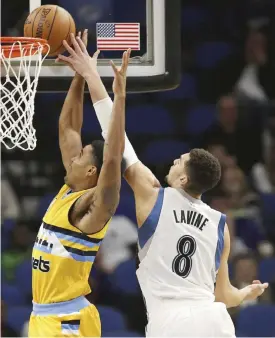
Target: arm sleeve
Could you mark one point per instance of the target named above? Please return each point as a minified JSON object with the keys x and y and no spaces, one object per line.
{"x":103,"y":110}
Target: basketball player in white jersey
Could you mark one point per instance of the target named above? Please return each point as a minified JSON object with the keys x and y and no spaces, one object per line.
{"x":183,"y":243}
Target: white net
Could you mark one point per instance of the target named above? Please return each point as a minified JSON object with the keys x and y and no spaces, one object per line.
{"x":18,"y":91}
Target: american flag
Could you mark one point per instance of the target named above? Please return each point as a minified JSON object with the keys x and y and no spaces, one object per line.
{"x":118,"y":36}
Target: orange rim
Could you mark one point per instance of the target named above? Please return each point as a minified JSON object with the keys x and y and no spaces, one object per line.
{"x":30,"y":45}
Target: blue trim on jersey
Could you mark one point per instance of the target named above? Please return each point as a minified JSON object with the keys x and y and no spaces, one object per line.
{"x":74,"y":234}
{"x":81,"y":258}
{"x":220,"y":243}
{"x":78,"y":255}
{"x":74,"y":305}
{"x":42,"y":248}
{"x":148,"y":228}
{"x":70,"y":327}
{"x":76,"y":240}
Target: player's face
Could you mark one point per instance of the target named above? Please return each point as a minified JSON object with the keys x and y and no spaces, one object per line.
{"x":81,"y":166}
{"x":177,"y":177}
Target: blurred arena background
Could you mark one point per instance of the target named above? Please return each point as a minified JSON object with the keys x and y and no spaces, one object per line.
{"x":225,"y":103}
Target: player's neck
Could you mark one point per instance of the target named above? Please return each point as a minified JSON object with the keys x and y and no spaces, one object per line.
{"x":81,"y":186}
{"x":191,"y":194}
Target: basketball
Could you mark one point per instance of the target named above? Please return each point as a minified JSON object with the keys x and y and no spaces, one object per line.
{"x":52,"y":23}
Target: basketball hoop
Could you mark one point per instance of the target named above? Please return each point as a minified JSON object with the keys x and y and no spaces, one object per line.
{"x":18,"y":89}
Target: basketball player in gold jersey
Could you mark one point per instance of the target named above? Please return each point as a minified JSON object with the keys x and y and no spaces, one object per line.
{"x":77,"y":219}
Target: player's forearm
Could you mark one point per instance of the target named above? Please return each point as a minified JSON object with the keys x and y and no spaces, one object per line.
{"x":115,"y":140}
{"x":103,"y":109}
{"x":97,"y":89}
{"x":72,"y":111}
{"x":232,"y":297}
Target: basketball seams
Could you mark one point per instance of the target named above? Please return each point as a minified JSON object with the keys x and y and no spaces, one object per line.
{"x":54,"y":24}
{"x":56,"y":9}
{"x":33,"y":22}
{"x":69,"y":31}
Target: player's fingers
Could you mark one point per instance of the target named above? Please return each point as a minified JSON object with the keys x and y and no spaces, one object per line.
{"x":81,"y":45}
{"x":63,"y":58}
{"x":256,"y":281}
{"x":260,"y":287}
{"x":76,"y":43}
{"x":125,"y":61}
{"x":128,"y":54}
{"x":68,"y":48}
{"x":95,"y":56}
{"x":114,"y":67}
{"x":84,"y":37}
{"x":79,"y":34}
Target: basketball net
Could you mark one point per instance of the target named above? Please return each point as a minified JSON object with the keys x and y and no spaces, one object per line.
{"x":18,"y":89}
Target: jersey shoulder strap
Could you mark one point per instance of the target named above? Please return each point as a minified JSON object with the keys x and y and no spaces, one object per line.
{"x":147,"y":230}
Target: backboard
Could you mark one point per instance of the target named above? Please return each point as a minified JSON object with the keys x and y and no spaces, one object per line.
{"x":155,"y":66}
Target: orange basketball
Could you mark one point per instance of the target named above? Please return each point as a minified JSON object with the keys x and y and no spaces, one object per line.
{"x":52,"y":23}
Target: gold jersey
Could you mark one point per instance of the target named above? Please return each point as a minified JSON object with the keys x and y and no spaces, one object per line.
{"x":62,"y":255}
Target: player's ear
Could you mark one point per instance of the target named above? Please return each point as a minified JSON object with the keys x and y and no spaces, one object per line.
{"x":92,"y":170}
{"x":183,"y":180}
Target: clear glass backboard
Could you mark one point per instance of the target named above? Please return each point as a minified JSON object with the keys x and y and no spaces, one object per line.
{"x":155,"y":66}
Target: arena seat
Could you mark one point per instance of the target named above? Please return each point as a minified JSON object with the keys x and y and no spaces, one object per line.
{"x":148,"y":119}
{"x":111,"y":319}
{"x":193,"y":17}
{"x":124,"y":279}
{"x":210,"y":53}
{"x":257,"y":321}
{"x":186,"y":90}
{"x":8,"y":225}
{"x":267,"y":270}
{"x":11,"y":295}
{"x":268,"y":210}
{"x":5,"y":240}
{"x":23,"y":277}
{"x":268,"y":213}
{"x":199,"y":119}
{"x":17,"y":316}
{"x":164,"y":151}
{"x":126,"y":205}
{"x":6,"y":229}
{"x":250,"y":231}
{"x":44,"y":204}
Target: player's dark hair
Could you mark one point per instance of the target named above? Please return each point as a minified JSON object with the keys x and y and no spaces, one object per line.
{"x":203,"y":171}
{"x":98,"y":148}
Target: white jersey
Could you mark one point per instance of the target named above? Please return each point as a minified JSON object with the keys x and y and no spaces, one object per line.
{"x":180,"y":246}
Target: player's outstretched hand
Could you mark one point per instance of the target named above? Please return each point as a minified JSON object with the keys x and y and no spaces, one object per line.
{"x":84,"y":37}
{"x":255,"y":290}
{"x":119,"y":84}
{"x":79,"y":59}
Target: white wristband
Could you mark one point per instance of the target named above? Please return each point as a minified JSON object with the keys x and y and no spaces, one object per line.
{"x":103,"y":111}
{"x":129,"y":154}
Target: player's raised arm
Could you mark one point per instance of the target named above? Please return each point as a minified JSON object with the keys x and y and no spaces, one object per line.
{"x":71,"y":117}
{"x":104,"y":202}
{"x":96,"y":207}
{"x":227,"y":293}
{"x":139,"y":177}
